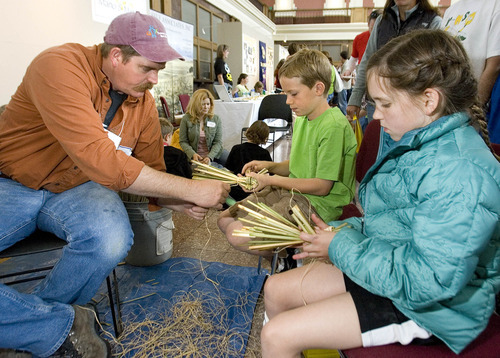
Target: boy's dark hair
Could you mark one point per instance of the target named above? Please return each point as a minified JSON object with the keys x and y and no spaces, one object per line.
{"x":258,"y":132}
{"x":374,"y":14}
{"x":310,"y":66}
{"x":166,"y":126}
{"x":344,"y":55}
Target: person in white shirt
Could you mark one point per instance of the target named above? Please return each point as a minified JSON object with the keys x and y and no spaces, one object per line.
{"x":477,"y":25}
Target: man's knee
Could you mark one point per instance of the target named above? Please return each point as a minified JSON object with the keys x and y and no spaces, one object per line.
{"x":114,"y":241}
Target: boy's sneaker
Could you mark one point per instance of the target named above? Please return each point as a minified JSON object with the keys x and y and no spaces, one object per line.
{"x":288,"y":263}
{"x":83,"y":340}
{"x":299,"y":262}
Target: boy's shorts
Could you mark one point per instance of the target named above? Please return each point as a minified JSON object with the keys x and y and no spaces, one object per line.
{"x":278,"y":199}
{"x":382,"y":323}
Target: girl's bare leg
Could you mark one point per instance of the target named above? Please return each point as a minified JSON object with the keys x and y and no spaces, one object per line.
{"x":329,"y":320}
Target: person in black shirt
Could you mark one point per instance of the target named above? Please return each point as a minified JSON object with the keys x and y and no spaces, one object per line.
{"x":246,"y":152}
{"x":222,"y":71}
{"x":176,"y":160}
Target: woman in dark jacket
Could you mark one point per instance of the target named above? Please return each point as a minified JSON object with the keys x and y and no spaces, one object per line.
{"x":398,"y":18}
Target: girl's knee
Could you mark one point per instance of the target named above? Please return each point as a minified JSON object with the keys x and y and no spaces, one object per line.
{"x":271,"y":336}
{"x":270,"y":289}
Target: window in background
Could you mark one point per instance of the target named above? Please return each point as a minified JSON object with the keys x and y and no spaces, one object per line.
{"x":195,"y":56}
{"x":205,"y":38}
{"x":189,"y":14}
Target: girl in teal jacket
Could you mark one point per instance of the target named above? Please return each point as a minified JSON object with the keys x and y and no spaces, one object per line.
{"x":424,"y":260}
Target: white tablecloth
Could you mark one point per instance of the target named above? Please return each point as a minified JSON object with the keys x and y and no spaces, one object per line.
{"x":234,"y":116}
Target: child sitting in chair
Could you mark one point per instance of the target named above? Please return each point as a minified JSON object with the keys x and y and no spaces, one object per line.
{"x":176,"y":160}
{"x":241,"y":154}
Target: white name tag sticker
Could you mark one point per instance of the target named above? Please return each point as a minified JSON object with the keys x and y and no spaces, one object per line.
{"x":114,"y":138}
{"x":126,"y":150}
{"x":210,"y":124}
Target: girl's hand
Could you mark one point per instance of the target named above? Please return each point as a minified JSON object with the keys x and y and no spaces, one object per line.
{"x":206,"y":160}
{"x":316,"y":245}
{"x":197,"y":158}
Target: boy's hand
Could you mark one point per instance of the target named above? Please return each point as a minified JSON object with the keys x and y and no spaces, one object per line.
{"x":253,"y":166}
{"x":205,"y":160}
{"x":262,"y":180}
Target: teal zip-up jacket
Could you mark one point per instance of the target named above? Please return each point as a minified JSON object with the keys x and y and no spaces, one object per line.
{"x":430,"y":237}
{"x":189,"y":135}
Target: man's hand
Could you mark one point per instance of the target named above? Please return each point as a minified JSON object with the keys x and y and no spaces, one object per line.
{"x":171,"y":189}
{"x":196,"y":212}
{"x":209,"y":193}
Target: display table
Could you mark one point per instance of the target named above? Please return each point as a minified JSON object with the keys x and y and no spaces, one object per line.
{"x":235,"y":116}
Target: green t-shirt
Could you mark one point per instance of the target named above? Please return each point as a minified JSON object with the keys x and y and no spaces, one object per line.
{"x":325,"y":148}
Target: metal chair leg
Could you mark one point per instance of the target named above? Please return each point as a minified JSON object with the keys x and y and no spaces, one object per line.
{"x":111,"y":297}
{"x":118,"y":304}
{"x":274,"y":262}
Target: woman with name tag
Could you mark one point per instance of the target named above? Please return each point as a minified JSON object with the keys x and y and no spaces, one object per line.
{"x":200,"y":134}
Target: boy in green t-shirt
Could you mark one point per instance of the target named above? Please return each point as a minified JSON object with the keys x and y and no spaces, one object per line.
{"x":319,"y":177}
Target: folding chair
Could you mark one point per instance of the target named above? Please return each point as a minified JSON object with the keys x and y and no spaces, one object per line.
{"x":41,"y":241}
{"x":184,"y":99}
{"x":485,"y":345}
{"x":276,"y":114}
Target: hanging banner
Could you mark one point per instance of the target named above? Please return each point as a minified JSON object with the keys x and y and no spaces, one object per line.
{"x":250,"y":60}
{"x":262,"y":62}
{"x":104,"y":11}
{"x":179,"y":34}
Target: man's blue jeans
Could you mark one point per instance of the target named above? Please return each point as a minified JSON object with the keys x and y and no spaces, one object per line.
{"x":94,"y":222}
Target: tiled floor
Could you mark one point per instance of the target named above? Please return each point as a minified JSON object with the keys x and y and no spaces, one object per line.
{"x":203,"y":240}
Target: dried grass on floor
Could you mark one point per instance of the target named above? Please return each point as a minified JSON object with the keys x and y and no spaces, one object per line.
{"x":193,"y":325}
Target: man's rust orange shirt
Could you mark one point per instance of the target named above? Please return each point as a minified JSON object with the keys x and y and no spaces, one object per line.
{"x":51,"y":133}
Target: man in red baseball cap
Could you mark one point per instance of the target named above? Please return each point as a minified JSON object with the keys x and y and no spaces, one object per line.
{"x":81,"y":127}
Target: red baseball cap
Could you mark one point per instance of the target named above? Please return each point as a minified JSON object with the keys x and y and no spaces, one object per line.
{"x":144,"y":33}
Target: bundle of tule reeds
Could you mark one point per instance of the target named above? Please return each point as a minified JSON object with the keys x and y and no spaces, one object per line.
{"x":273,"y":229}
{"x":203,"y":171}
